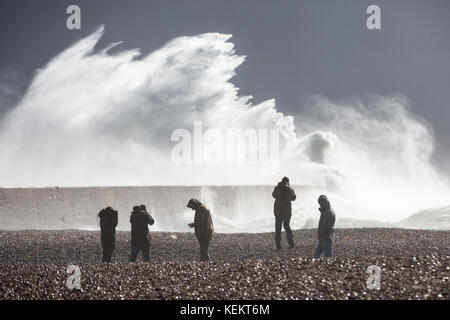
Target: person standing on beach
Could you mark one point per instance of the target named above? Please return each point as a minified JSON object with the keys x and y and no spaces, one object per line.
{"x":325,"y":230}
{"x":282,"y":208}
{"x":203,"y":225}
{"x":140,"y":236}
{"x":108,"y":224}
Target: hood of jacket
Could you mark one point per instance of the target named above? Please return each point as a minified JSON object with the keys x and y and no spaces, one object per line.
{"x":110,"y":210}
{"x":283,"y":185}
{"x":324,"y":202}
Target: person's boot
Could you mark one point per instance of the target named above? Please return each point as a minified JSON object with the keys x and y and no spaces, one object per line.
{"x":291,"y":244}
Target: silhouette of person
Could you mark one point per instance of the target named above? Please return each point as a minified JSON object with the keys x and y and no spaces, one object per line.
{"x":140,"y":236}
{"x":108,"y":224}
{"x":325,"y":231}
{"x":203,"y":225}
{"x":282,"y":208}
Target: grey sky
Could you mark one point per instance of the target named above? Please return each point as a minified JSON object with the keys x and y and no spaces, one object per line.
{"x":294,"y":49}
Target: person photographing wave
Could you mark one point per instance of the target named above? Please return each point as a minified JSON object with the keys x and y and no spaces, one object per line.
{"x":282,"y":208}
{"x":140,"y":236}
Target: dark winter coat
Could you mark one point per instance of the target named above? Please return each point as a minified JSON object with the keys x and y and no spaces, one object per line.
{"x":283,"y":195}
{"x":327,"y":219}
{"x":203,"y":224}
{"x":140,"y":235}
{"x":108,"y":224}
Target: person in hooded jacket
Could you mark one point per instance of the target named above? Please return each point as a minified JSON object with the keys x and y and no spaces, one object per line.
{"x":325,"y":231}
{"x":284,"y":195}
{"x":140,"y":236}
{"x":108,"y":224}
{"x":203,"y":225}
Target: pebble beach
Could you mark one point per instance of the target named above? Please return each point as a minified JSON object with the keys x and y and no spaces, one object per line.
{"x":414,"y":264}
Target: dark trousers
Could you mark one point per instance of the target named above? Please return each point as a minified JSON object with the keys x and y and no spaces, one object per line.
{"x":324,"y":246}
{"x":107,"y":253}
{"x":108,"y":249}
{"x":145,"y":252}
{"x":204,"y":244}
{"x":283,"y":221}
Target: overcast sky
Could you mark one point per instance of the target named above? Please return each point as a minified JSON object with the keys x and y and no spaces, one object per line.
{"x":294,"y":49}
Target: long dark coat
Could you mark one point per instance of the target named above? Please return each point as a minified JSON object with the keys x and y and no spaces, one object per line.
{"x":203,"y":224}
{"x":283,"y":195}
{"x":325,"y":231}
{"x":140,"y":235}
{"x":108,"y":224}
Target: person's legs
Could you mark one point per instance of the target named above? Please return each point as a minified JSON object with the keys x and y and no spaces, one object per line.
{"x":107,"y":252}
{"x":318,"y":251}
{"x":111,"y":250}
{"x":105,"y":257}
{"x":287,"y":228}
{"x":204,"y":243}
{"x":146,"y":253}
{"x":278,"y":224}
{"x":134,"y":253}
{"x":328,"y":248}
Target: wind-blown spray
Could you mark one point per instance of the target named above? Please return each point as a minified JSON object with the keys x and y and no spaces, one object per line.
{"x":92,"y":118}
